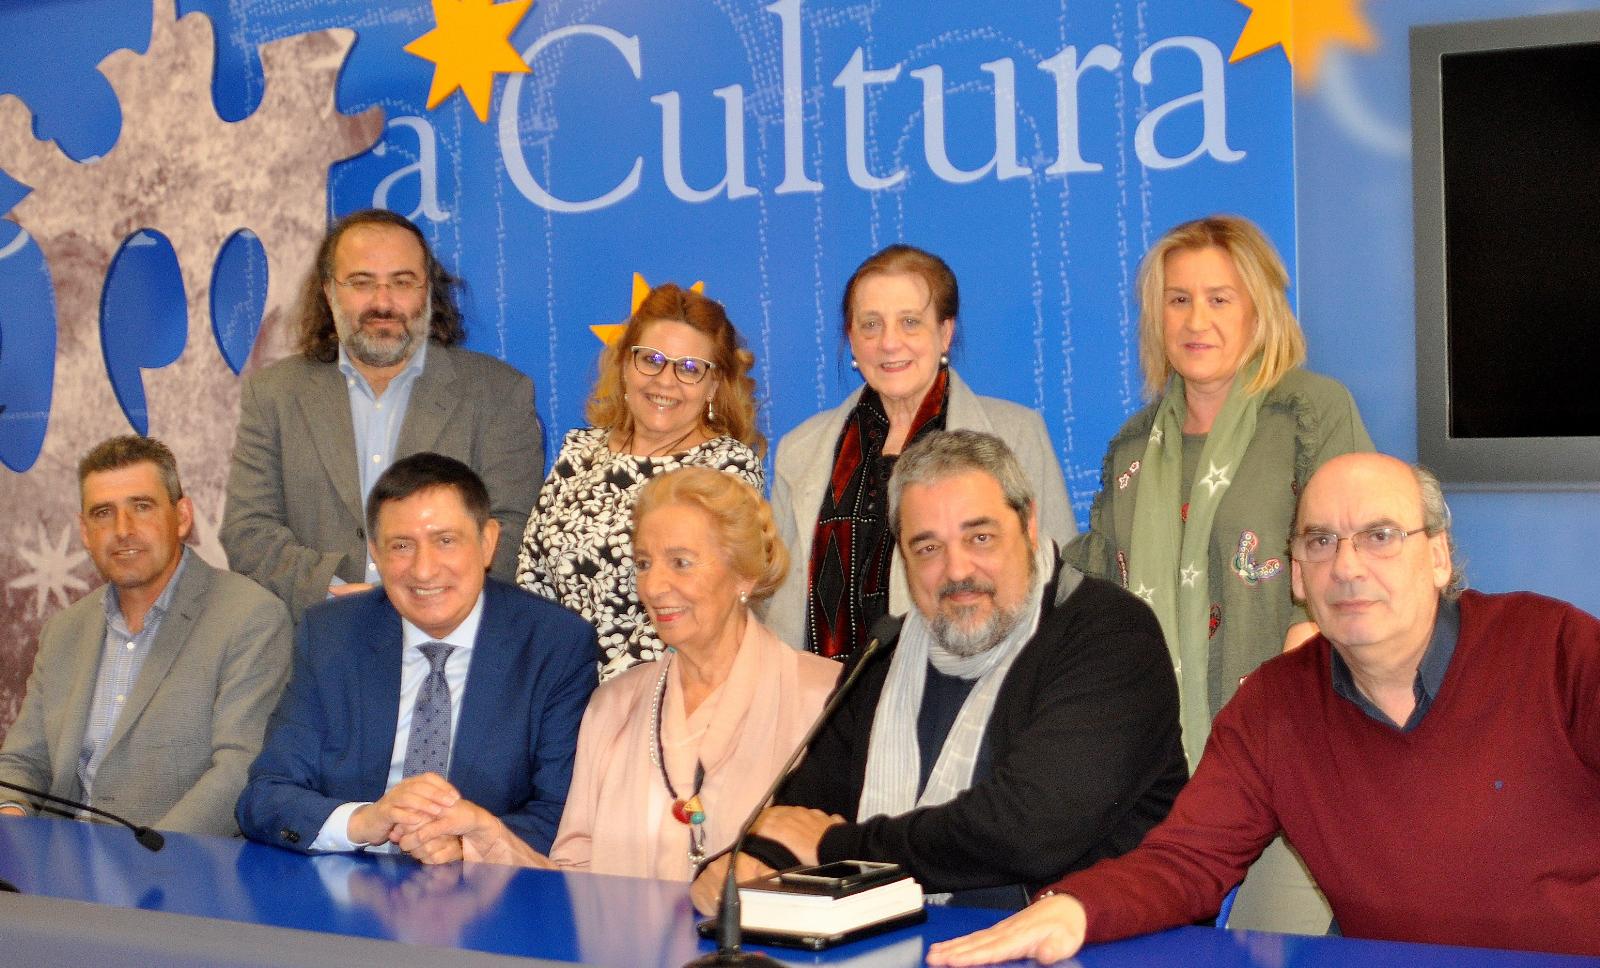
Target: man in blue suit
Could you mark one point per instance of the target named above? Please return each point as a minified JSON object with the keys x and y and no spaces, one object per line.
{"x":436,"y":686}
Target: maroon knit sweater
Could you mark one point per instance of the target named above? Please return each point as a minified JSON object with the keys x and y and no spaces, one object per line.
{"x":1480,"y":827}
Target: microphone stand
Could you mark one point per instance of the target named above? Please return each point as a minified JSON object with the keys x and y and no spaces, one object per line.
{"x":148,"y":839}
{"x":730,"y":933}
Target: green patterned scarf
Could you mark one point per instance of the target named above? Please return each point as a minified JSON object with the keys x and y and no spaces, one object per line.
{"x":1167,"y":560}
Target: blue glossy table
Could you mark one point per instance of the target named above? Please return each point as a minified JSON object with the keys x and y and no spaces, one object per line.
{"x":91,"y":896}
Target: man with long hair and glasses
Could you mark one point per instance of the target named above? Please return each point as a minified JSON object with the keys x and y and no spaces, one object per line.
{"x":380,"y":375}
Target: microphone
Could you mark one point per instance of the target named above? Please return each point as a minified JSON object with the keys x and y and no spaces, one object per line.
{"x":148,"y":839}
{"x":729,"y":932}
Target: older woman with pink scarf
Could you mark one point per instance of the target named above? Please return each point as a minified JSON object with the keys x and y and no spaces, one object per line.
{"x":673,"y":754}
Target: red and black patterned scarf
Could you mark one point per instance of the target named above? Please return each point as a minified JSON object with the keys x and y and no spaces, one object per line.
{"x":852,"y":547}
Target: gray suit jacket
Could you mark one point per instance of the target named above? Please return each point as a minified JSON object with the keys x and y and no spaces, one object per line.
{"x":804,"y":463}
{"x":294,"y":516}
{"x":179,"y":753}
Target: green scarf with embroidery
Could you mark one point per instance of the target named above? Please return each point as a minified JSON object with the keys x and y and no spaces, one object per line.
{"x":1168,"y":556}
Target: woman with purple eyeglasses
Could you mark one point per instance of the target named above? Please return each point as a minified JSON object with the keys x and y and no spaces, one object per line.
{"x":674,"y":391}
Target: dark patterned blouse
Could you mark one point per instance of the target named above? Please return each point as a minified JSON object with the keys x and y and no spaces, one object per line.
{"x":578,"y":550}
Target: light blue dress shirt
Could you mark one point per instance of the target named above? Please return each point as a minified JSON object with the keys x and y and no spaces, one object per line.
{"x":121,"y":657}
{"x":414,"y":668}
{"x":377,"y":421}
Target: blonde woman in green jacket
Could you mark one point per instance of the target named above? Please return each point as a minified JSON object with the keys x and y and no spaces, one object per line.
{"x":1199,"y":488}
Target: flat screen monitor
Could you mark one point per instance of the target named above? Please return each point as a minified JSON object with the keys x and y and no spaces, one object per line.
{"x":1506,"y":138}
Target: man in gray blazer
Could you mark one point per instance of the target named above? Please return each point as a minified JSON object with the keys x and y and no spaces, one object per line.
{"x":379,"y":377}
{"x":150,"y":695}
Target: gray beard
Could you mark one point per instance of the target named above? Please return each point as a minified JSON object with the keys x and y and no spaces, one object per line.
{"x":378,"y":354}
{"x":965,"y":642}
{"x":365,"y":349}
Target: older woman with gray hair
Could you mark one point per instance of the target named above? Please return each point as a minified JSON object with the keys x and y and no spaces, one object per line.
{"x":900,"y":308}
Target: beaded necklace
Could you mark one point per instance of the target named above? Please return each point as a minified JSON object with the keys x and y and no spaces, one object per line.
{"x":688,"y":811}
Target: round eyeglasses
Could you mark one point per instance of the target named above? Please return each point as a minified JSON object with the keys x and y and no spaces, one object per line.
{"x":688,"y":369}
{"x":1320,"y":546}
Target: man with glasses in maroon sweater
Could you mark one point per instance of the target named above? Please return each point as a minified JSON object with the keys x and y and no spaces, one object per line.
{"x":1433,"y":754}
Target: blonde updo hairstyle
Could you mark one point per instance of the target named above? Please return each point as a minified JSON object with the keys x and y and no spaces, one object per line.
{"x":741,"y":519}
{"x":735,"y":397}
{"x":1277,"y":339}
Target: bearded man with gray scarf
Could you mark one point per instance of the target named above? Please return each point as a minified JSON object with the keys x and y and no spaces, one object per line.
{"x":1024,"y":725}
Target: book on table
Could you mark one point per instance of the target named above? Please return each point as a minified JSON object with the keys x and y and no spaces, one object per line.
{"x":836,"y":899}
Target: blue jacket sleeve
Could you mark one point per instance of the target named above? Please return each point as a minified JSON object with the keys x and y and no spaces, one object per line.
{"x":559,"y":697}
{"x":281,"y":802}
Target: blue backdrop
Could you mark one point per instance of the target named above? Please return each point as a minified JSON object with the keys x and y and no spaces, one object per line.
{"x":611,"y":157}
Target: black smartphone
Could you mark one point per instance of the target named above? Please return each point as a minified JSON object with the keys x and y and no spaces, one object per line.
{"x":839,"y":875}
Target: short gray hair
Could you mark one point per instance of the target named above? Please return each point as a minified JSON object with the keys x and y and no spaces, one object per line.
{"x":115,"y":453}
{"x":943,"y":454}
{"x":1436,"y":520}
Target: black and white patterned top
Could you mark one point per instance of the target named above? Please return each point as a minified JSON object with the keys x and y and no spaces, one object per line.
{"x":578,"y":550}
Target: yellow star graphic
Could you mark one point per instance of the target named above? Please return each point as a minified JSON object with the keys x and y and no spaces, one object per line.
{"x":1304,"y":29}
{"x":608,"y":333}
{"x":470,"y":45}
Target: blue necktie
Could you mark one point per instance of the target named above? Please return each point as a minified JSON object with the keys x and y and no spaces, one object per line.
{"x":428,"y":746}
